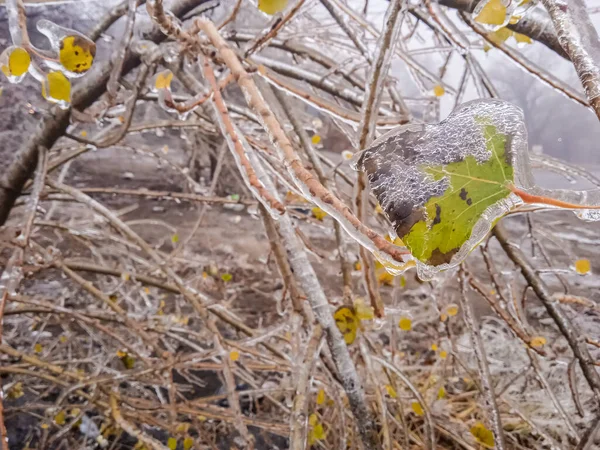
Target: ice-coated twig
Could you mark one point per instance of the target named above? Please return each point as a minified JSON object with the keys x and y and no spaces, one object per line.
{"x":385,"y":47}
{"x":504,"y":314}
{"x":318,"y":102}
{"x":235,"y":145}
{"x":431,"y":443}
{"x":546,"y":384}
{"x":116,"y":137}
{"x":112,"y":15}
{"x":131,"y":429}
{"x":526,"y":64}
{"x":579,"y":39}
{"x":113,"y":81}
{"x":277,"y":25}
{"x":311,"y":187}
{"x":298,"y":417}
{"x":487,"y":386}
{"x":564,"y":324}
{"x":17,"y":22}
{"x":231,"y":16}
{"x":573,"y":387}
{"x":587,"y":440}
{"x":383,"y":412}
{"x":313,"y":157}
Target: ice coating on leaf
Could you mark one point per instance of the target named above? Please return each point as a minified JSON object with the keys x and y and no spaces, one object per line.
{"x":14,"y":63}
{"x":444,"y":185}
{"x":56,"y":88}
{"x":75,"y":52}
{"x":494,"y":14}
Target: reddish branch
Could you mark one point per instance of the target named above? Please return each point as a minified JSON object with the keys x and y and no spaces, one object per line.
{"x":237,"y":145}
{"x":305,"y":177}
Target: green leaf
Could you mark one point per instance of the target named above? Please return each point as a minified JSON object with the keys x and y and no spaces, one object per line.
{"x":436,"y":183}
{"x":473,"y":187}
{"x":444,"y":186}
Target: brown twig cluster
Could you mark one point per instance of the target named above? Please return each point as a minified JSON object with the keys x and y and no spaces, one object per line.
{"x":116,"y":332}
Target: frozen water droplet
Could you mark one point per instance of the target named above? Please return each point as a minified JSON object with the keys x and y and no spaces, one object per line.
{"x":15,"y":63}
{"x":75,"y":52}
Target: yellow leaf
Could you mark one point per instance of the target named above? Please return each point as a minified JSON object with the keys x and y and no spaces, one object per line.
{"x":272,"y":6}
{"x":74,"y":412}
{"x":125,"y":276}
{"x":500,"y":36}
{"x":486,"y":47}
{"x":44,"y":426}
{"x":146,"y":290}
{"x":163,"y":80}
{"x":77,"y":54}
{"x":417,"y":408}
{"x":443,"y":317}
{"x":56,"y":88}
{"x":493,"y":13}
{"x":443,"y":354}
{"x":378,"y":209}
{"x":514,"y":19}
{"x":319,"y":432}
{"x":537,"y":341}
{"x":438,"y":90}
{"x":62,"y":339}
{"x":318,"y":213}
{"x":18,"y":62}
{"x":37,"y":348}
{"x":482,"y":435}
{"x":188,"y":443}
{"x":175,"y":238}
{"x":391,"y":391}
{"x":385,"y":278}
{"x":522,"y":39}
{"x":357,"y":265}
{"x":127,"y":360}
{"x":226,"y":277}
{"x":313,"y":419}
{"x":452,"y":309}
{"x":316,"y":139}
{"x":363,"y":312}
{"x":405,"y":323}
{"x":347,"y":323}
{"x":234,"y":355}
{"x":202,"y":418}
{"x":59,"y":419}
{"x":16,"y":391}
{"x":441,"y":393}
{"x":582,"y":266}
{"x":83,"y":133}
{"x":347,"y":155}
{"x":434,"y":347}
{"x":172,"y":443}
{"x":321,"y":397}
